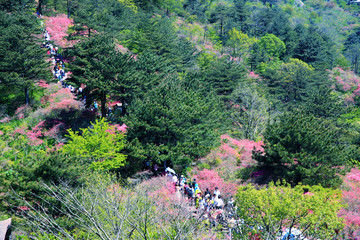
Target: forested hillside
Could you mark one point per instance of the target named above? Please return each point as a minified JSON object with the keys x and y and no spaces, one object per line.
{"x":190,"y":119}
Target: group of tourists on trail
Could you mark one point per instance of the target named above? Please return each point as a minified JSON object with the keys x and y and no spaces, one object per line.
{"x":59,"y":65}
{"x":60,"y":74}
{"x":209,"y":205}
{"x":203,"y":201}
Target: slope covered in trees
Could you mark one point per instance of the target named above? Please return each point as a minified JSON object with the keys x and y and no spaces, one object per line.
{"x":98,"y":95}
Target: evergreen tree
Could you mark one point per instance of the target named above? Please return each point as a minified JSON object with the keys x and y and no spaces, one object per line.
{"x":352,"y":50}
{"x":108,"y":16}
{"x":176,"y":121}
{"x":302,"y":148}
{"x":323,"y":103}
{"x":241,"y":15}
{"x":103,"y":70}
{"x":22,"y":61}
{"x":224,"y":76}
{"x":314,"y":48}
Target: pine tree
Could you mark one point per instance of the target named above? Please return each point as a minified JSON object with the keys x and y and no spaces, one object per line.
{"x":22,"y":61}
{"x":176,"y":122}
{"x":103,"y":70}
{"x":224,"y":76}
{"x":302,"y":148}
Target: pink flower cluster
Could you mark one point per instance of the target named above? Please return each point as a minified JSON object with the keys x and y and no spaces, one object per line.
{"x":351,"y":197}
{"x":22,"y":111}
{"x":20,"y":130}
{"x":121,"y":48}
{"x":43,"y":84}
{"x":211,"y":179}
{"x":161,"y":190}
{"x":57,"y":27}
{"x":63,"y":99}
{"x":253,"y":75}
{"x":245,"y":146}
{"x":33,"y":135}
{"x":347,"y":82}
{"x":5,"y":120}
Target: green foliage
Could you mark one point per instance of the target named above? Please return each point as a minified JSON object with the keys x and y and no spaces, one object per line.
{"x":157,"y":35}
{"x":301,"y":148}
{"x":223,"y":76}
{"x":266,"y":53}
{"x":102,"y":69}
{"x":323,"y":103}
{"x":241,"y":44}
{"x":268,"y":211}
{"x":101,"y":143}
{"x":272,"y":45}
{"x":314,"y":48}
{"x":177,"y":121}
{"x":291,"y":80}
{"x":24,"y":167}
{"x":250,"y":112}
{"x":21,"y":60}
{"x":352,"y":50}
{"x":109,"y":16}
{"x":205,"y":60}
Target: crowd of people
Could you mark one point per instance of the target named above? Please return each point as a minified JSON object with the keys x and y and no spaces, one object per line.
{"x":203,"y":201}
{"x":58,"y":64}
{"x":209,"y":204}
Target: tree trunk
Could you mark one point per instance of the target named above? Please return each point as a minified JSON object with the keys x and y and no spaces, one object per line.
{"x":27,"y":97}
{"x":103,"y":104}
{"x":89,"y":32}
{"x":68,"y":8}
{"x":55,"y":5}
{"x":221,"y":28}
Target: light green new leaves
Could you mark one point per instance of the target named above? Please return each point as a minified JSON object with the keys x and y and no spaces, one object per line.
{"x":241,"y":43}
{"x":101,"y":143}
{"x":271,"y":210}
{"x":272,"y":45}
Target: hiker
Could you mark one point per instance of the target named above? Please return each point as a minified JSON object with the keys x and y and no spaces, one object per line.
{"x":190,"y":192}
{"x":207,"y":192}
{"x":198,"y":198}
{"x":174,"y":179}
{"x":193,"y":183}
{"x":217,"y":192}
{"x":186,"y":186}
{"x":182,"y":180}
{"x":219,"y":202}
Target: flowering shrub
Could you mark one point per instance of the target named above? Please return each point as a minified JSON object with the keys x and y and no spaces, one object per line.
{"x":121,"y":128}
{"x":211,"y":179}
{"x":253,"y":75}
{"x":22,"y":112}
{"x":346,"y":83}
{"x":230,"y":156}
{"x":57,"y":27}
{"x":43,"y":84}
{"x":351,"y":197}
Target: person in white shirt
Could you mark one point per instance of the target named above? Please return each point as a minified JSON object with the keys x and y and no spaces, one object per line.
{"x":219,"y":202}
{"x":174,"y":179}
{"x":217,"y":192}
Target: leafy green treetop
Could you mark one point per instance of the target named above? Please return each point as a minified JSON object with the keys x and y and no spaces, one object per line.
{"x":312,"y":210}
{"x":101,"y":143}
